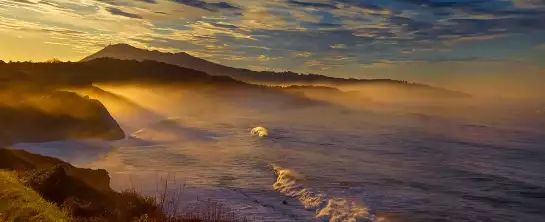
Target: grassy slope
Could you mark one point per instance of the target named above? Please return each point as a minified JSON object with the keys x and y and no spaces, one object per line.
{"x":28,"y":181}
{"x":21,"y":203}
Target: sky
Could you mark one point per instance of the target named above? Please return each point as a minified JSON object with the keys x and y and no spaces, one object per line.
{"x":452,"y":43}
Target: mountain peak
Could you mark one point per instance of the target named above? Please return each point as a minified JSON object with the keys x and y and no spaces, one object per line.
{"x":120,"y":47}
{"x":113,"y":50}
{"x":122,"y":51}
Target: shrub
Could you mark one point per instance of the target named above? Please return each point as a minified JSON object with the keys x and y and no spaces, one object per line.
{"x":211,"y":210}
{"x":170,"y":202}
{"x":53,"y":60}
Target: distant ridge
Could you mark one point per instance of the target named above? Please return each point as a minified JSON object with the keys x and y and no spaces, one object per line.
{"x":128,"y":52}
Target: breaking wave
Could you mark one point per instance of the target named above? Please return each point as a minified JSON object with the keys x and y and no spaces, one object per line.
{"x":328,"y":208}
{"x":260,"y":131}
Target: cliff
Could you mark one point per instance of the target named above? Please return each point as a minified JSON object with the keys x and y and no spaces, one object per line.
{"x":39,"y":188}
{"x":47,"y":115}
{"x":62,"y":192}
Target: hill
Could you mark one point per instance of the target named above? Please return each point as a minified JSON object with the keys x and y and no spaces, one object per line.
{"x":127,"y":52}
{"x":40,"y":115}
{"x":105,"y":70}
{"x":62,"y":192}
{"x":51,"y":76}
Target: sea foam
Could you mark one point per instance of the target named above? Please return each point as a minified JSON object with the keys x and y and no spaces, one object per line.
{"x":328,"y":208}
{"x":260,"y":131}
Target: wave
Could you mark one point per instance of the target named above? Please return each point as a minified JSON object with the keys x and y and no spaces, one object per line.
{"x":333,"y":209}
{"x":260,"y":131}
{"x":170,"y":130}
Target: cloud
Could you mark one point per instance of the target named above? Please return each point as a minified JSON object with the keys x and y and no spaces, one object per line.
{"x":312,"y":4}
{"x":111,"y":2}
{"x":303,"y":54}
{"x":116,"y":11}
{"x":446,"y":4}
{"x":454,"y":39}
{"x":304,"y":35}
{"x":328,"y":61}
{"x":213,"y":7}
{"x":224,"y":25}
{"x":529,"y":3}
{"x":148,"y":1}
{"x":27,"y":1}
{"x":338,"y":46}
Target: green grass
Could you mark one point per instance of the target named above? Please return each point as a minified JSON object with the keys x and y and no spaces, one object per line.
{"x":21,"y":203}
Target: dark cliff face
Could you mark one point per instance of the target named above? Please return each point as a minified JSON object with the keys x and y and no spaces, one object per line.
{"x":41,"y":116}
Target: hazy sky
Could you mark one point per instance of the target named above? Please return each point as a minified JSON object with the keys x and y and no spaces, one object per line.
{"x":444,"y":41}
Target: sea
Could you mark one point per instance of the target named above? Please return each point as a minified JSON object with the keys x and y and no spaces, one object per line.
{"x":268,"y":161}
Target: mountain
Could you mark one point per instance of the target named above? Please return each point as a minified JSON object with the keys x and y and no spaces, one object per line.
{"x":127,"y":52}
{"x":29,"y":76}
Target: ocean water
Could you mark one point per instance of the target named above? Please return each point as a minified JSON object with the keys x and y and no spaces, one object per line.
{"x":325,"y":162}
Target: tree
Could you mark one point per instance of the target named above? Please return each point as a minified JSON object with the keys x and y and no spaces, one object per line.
{"x":53,"y":60}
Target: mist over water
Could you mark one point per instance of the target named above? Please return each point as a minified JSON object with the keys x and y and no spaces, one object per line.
{"x":367,"y":162}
